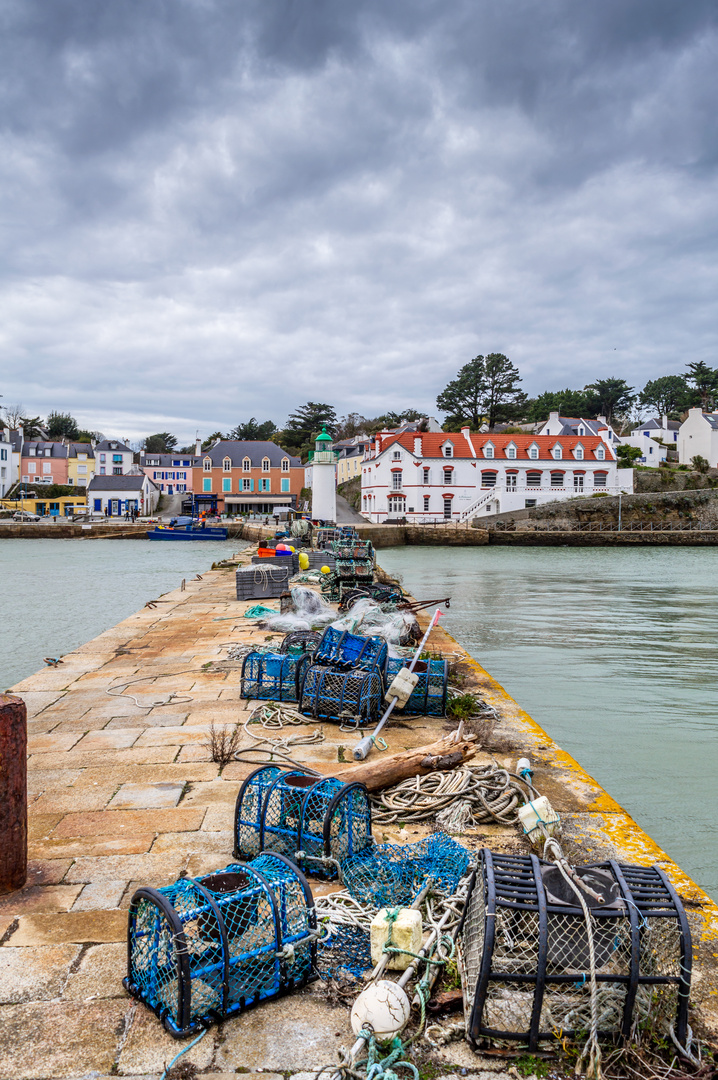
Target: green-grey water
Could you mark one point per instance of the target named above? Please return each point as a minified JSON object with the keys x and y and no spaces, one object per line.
{"x":57,"y":594}
{"x":614,"y":652}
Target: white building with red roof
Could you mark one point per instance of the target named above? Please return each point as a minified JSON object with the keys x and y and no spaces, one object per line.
{"x":456,"y":476}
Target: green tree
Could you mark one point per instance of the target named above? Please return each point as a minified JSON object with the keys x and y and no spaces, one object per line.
{"x":464,"y":398}
{"x":253,"y":431}
{"x":609,"y":397}
{"x":504,"y":397}
{"x":61,"y":425}
{"x":211,"y":439}
{"x":700,"y":464}
{"x":627,"y":455}
{"x":704,"y":379}
{"x":161,"y":443}
{"x":565,"y":402}
{"x":32,"y":427}
{"x":304,"y":425}
{"x":669,"y":395}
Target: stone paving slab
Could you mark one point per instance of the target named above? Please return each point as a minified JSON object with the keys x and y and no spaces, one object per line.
{"x":34,"y":974}
{"x":39,"y":898}
{"x":68,"y":926}
{"x":75,"y":847}
{"x":145,"y":796}
{"x":49,"y":1040}
{"x":135,"y":821}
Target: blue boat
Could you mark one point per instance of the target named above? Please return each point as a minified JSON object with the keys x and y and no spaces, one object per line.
{"x":188,"y":531}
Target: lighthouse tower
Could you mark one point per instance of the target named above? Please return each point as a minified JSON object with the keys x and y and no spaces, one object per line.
{"x":324,"y":479}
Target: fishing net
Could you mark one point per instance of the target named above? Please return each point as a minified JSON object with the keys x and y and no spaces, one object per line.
{"x":306,"y":610}
{"x":392,"y":875}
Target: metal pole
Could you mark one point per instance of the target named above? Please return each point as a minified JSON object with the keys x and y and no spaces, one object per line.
{"x":13,"y":793}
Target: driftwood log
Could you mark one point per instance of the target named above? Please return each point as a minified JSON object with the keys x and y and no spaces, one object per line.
{"x":383,"y":770}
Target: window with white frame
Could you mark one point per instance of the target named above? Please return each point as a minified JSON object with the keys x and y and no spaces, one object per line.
{"x":447,"y":508}
{"x":246,"y":464}
{"x":396,"y":480}
{"x":265,"y":464}
{"x":449,"y":450}
{"x":599,"y":479}
{"x":448,"y":476}
{"x":285,"y":464}
{"x":601,"y":454}
{"x":578,"y":453}
{"x":207,"y":464}
{"x":533,"y":452}
{"x":488,"y":479}
{"x":557,"y":453}
{"x":511,"y":452}
{"x":511,"y":481}
{"x":578,"y":482}
{"x":426,"y":476}
{"x":397,"y":455}
{"x":488,"y":450}
{"x":426,"y":504}
{"x":246,"y":484}
{"x":556,"y":479}
{"x":533,"y":479}
{"x":227,"y":465}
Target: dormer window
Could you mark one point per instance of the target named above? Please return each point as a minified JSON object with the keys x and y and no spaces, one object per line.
{"x":227,"y":464}
{"x":207,"y":464}
{"x":580,"y":431}
{"x":578,"y":453}
{"x":448,"y":450}
{"x":600,"y":453}
{"x":489,"y":450}
{"x":533,"y":452}
{"x":397,"y":455}
{"x":265,"y":464}
{"x":246,"y":464}
{"x":285,"y":464}
{"x":557,"y":453}
{"x":511,"y":451}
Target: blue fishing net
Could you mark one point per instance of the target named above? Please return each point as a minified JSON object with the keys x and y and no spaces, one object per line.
{"x":392,"y":875}
{"x":347,"y":951}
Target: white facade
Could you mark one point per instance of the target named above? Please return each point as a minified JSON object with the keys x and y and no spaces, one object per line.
{"x":652,"y":453}
{"x":112,"y":458}
{"x":114,"y":495}
{"x":698,"y":436}
{"x":576,"y":425}
{"x":459,"y":476}
{"x":8,"y":466}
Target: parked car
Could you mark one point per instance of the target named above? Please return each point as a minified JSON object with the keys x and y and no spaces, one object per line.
{"x":25,"y":515}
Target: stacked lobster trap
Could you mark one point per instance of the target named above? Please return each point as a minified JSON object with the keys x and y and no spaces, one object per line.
{"x":270,"y":676}
{"x":317,"y":823}
{"x":199,"y":951}
{"x":524,"y":952}
{"x":428,"y":698}
{"x":343,"y":679}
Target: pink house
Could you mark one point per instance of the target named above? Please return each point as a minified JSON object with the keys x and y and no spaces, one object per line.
{"x":43,"y":462}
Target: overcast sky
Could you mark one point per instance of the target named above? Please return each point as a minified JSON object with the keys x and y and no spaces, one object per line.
{"x":213,"y":209}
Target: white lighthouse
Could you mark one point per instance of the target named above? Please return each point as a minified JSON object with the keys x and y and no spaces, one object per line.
{"x":324,"y":479}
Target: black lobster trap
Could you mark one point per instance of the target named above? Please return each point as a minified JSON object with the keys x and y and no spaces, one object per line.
{"x":205,"y":949}
{"x":342,"y":650}
{"x":353,"y":698}
{"x":316,"y":822}
{"x":524,"y":952}
{"x":428,"y":698}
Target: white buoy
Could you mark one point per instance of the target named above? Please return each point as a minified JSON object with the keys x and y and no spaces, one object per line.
{"x":383,"y":1006}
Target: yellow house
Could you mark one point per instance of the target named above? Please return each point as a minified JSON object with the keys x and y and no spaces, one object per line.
{"x":62,"y":506}
{"x":80,"y":464}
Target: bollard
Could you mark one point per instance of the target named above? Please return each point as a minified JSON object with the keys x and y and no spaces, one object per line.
{"x":13,"y":793}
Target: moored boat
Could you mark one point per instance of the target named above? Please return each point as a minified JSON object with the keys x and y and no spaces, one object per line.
{"x":192,"y":531}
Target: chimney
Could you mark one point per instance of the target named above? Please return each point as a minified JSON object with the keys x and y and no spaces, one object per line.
{"x":198,"y":446}
{"x":553,"y":415}
{"x":602,"y":420}
{"x":377,"y":444}
{"x":664,"y":421}
{"x":417,"y":445}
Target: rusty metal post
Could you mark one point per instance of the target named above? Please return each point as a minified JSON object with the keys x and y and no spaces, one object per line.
{"x":13,"y":793}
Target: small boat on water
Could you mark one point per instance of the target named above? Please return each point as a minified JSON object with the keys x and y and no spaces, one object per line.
{"x":187,"y":529}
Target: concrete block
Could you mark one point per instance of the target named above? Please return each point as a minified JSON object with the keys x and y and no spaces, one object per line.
{"x":60,"y":1039}
{"x":70,"y":800}
{"x":405,"y":931}
{"x":34,"y":974}
{"x":100,"y":896}
{"x":99,"y":974}
{"x":57,"y":743}
{"x":69,"y":927}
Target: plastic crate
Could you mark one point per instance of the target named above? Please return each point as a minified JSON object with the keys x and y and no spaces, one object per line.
{"x":317,"y":559}
{"x":314,"y":822}
{"x":429,"y":695}
{"x":291,"y":559}
{"x":202,"y":950}
{"x":262,"y":582}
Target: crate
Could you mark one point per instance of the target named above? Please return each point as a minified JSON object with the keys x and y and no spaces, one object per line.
{"x":524,"y":952}
{"x":353,"y":549}
{"x":354,"y":568}
{"x":349,"y":697}
{"x":262,"y":582}
{"x":340,"y":649}
{"x":316,"y":823}
{"x":206,"y":949}
{"x":269,"y":676}
{"x":324,"y":537}
{"x":291,"y":559}
{"x":429,"y":695}
{"x":318,"y":559}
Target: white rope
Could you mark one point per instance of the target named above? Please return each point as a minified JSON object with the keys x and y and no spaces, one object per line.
{"x":488,"y":791}
{"x":172,"y":699}
{"x":274,"y":716}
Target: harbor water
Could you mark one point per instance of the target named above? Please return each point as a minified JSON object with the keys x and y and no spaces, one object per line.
{"x":57,"y":594}
{"x":614,"y":652}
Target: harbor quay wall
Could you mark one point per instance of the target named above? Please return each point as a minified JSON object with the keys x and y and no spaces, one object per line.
{"x":123,"y":792}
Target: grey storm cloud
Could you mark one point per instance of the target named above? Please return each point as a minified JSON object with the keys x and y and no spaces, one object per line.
{"x":212,"y":209}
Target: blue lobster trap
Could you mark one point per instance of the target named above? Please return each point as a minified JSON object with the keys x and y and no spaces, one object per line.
{"x":270,"y":676}
{"x":205,"y":949}
{"x":353,"y":698}
{"x":391,"y":875}
{"x":428,"y":697}
{"x":340,"y":649}
{"x":317,"y":823}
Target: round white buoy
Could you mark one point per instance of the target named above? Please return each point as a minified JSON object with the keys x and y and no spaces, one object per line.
{"x":384,"y":1006}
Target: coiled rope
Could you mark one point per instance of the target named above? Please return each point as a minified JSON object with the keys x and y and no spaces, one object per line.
{"x":472,"y":796}
{"x":274,"y":716}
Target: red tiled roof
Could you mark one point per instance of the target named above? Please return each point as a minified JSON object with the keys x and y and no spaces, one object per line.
{"x":432,"y":443}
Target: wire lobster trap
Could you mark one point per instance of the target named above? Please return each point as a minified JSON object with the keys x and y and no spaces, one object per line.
{"x":353,"y":548}
{"x":524,"y":952}
{"x":343,"y":650}
{"x":393,"y":875}
{"x":316,"y":823}
{"x":428,"y":697}
{"x":269,"y":676}
{"x":354,"y":569}
{"x":353,"y":698}
{"x":297,"y":642}
{"x":324,"y":537}
{"x":202,"y":950}
{"x":386,"y":595}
